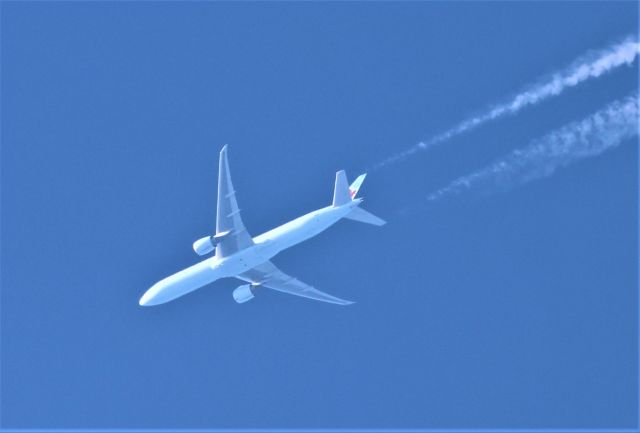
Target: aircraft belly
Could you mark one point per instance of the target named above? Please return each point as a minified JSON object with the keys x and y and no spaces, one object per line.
{"x":300,"y":232}
{"x":245,"y":260}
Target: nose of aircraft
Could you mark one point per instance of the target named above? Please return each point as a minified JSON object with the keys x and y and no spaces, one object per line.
{"x":157,"y":294}
{"x":150,"y":297}
{"x":146,"y":298}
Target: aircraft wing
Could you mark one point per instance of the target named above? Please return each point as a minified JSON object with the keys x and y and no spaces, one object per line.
{"x":231,"y":235}
{"x":269,"y":276}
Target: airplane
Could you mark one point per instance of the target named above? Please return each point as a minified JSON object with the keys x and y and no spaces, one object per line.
{"x":238,"y":255}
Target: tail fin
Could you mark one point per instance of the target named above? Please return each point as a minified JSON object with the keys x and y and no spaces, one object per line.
{"x":359,"y":214}
{"x":355,"y":186}
{"x":343,"y":194}
{"x":341,"y":189}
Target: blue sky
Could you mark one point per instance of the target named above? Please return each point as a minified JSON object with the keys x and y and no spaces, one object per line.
{"x":517,"y":309}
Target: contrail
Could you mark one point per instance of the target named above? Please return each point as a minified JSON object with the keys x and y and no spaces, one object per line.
{"x":589,"y":66}
{"x":601,"y":131}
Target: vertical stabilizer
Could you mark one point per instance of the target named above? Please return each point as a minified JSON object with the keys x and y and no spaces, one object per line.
{"x":355,"y":186}
{"x":341,"y":189}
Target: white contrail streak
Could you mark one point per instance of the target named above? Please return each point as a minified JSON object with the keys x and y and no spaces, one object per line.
{"x":599,"y":132}
{"x":592,"y":65}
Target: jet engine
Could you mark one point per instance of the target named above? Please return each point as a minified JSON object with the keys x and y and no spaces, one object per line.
{"x":204,"y":245}
{"x":244,"y":293}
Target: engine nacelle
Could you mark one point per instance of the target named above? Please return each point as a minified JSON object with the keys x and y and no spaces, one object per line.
{"x":244,"y":293}
{"x":204,"y":245}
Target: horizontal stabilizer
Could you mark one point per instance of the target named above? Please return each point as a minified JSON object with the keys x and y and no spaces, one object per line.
{"x":341,"y":190}
{"x":359,"y":214}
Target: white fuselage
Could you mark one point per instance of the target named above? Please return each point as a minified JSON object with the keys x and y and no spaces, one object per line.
{"x":266,"y":246}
